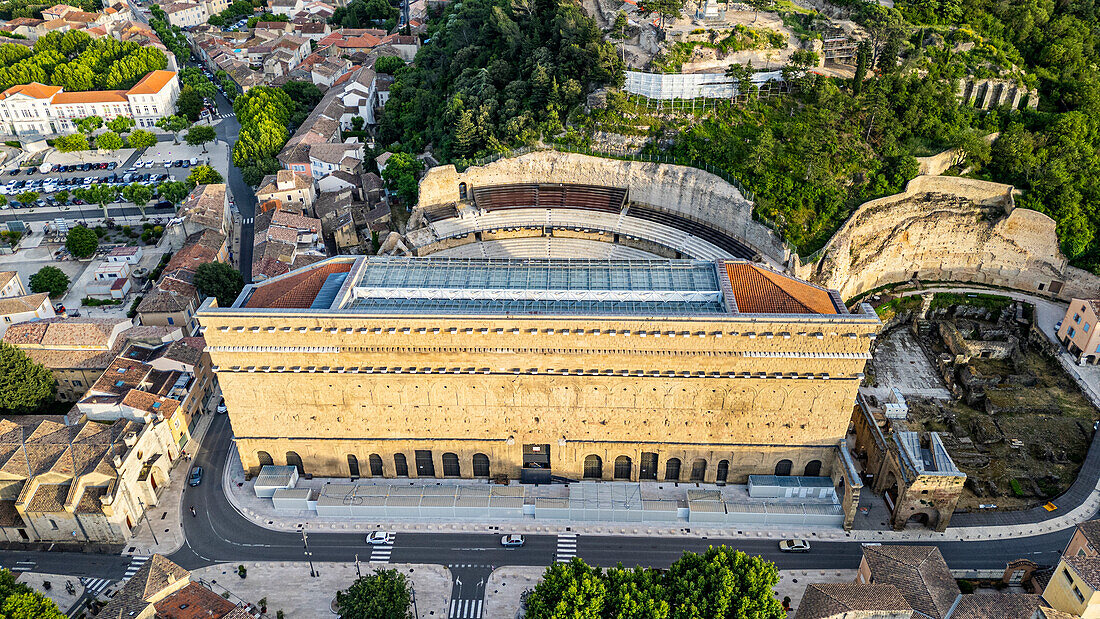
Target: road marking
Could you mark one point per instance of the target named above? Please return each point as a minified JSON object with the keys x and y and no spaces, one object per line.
{"x":95,"y":585}
{"x":567,"y":547}
{"x":23,"y":566}
{"x":381,"y":553}
{"x":135,"y":564}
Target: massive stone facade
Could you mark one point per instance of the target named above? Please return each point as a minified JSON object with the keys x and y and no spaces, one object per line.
{"x":948,"y":228}
{"x":680,"y":189}
{"x":609,"y":397}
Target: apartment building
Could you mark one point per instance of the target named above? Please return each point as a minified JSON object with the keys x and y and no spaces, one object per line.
{"x":34,"y":108}
{"x":1079,"y":331}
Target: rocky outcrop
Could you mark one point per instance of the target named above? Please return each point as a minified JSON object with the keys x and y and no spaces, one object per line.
{"x":949,"y":229}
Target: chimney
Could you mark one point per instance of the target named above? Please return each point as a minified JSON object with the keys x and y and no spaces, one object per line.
{"x":130,"y":439}
{"x":117,"y":461}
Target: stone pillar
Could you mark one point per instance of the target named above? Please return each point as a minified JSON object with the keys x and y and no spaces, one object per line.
{"x":1016,"y":95}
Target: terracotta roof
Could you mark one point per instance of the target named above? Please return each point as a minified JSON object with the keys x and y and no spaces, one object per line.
{"x":193,"y":602}
{"x":293,"y":220}
{"x":153,"y":83}
{"x":192,"y":255}
{"x":151,"y":403}
{"x":1090,"y":530}
{"x":295,"y":290}
{"x":9,"y":516}
{"x":1088,"y":568}
{"x":89,"y":502}
{"x":34,"y":89}
{"x":156,"y":575}
{"x":1095,"y":305}
{"x":918,"y":572}
{"x":91,"y":96}
{"x":166,"y":301}
{"x":49,"y":498}
{"x":19,"y":305}
{"x":758,"y":290}
{"x":1050,"y":613}
{"x":824,"y":600}
{"x":997,"y":606}
{"x":6,"y":277}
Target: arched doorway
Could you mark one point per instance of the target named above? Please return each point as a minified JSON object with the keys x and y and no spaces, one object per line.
{"x":622,"y":467}
{"x":783,"y":468}
{"x":723,"y":471}
{"x":264,"y":458}
{"x":400,"y":465}
{"x":647,"y":468}
{"x":450,"y":465}
{"x":813,"y":468}
{"x":293,"y":459}
{"x":353,"y":465}
{"x":919,"y":520}
{"x":593,"y":467}
{"x":375,"y":465}
{"x":672,"y":469}
{"x":481,"y":465}
{"x":462,"y":193}
{"x":698,"y":469}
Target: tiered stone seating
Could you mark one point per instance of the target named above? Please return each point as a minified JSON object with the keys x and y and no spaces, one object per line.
{"x":556,"y":195}
{"x":720,"y":239}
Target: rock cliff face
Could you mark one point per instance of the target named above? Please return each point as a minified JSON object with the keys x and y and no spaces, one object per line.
{"x":948,"y":228}
{"x":682,"y":189}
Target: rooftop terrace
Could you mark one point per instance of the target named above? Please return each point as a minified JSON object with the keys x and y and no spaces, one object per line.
{"x":465,"y":286}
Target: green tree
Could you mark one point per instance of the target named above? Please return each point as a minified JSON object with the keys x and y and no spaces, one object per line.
{"x":138,"y":194}
{"x":174,"y":192}
{"x":174,"y":124}
{"x":465,"y":135}
{"x":17,"y":600}
{"x":108,"y":140}
{"x":388,"y":64}
{"x":218,"y":279}
{"x":618,"y":29}
{"x":972,"y":148}
{"x":400,"y":176}
{"x":98,"y":194}
{"x":663,"y":8}
{"x":743,"y":74}
{"x":88,"y":125}
{"x":140,"y":138}
{"x":203,"y":175}
{"x":189,"y":104}
{"x":382,"y":595}
{"x":121,"y":124}
{"x":863,"y":60}
{"x":723,"y":583}
{"x":61,"y":196}
{"x":82,"y":242}
{"x":28,"y":197}
{"x":571,"y":589}
{"x":50,"y":279}
{"x":200,"y":135}
{"x":72,"y":142}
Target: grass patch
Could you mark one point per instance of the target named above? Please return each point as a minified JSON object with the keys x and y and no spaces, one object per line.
{"x":900,"y":305}
{"x":993,"y":303}
{"x":90,"y":302}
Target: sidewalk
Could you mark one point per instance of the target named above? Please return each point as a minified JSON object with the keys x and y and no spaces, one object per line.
{"x":288,"y":586}
{"x":166,"y":516}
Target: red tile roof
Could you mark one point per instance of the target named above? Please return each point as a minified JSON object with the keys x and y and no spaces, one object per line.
{"x":758,"y":290}
{"x":153,"y":83}
{"x":295,"y":290}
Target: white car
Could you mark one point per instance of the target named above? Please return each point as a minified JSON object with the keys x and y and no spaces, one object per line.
{"x":377,"y":538}
{"x":511,"y":541}
{"x":794,"y":545}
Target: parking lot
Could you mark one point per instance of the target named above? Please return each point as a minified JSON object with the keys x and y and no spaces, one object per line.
{"x":69,"y":177}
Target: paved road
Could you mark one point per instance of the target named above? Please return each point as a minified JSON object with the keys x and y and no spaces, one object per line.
{"x":245,"y":199}
{"x":219,"y":533}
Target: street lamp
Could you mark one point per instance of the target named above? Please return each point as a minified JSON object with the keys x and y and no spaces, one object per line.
{"x":309,"y":555}
{"x":145,"y":513}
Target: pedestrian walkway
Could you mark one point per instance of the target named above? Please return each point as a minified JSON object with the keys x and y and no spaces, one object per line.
{"x":23,"y":566}
{"x":466,"y":609}
{"x":95,"y":585}
{"x":135,"y":564}
{"x":380,"y":553}
{"x":567,"y":547}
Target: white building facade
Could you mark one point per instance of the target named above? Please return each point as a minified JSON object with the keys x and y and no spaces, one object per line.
{"x":39,"y":109}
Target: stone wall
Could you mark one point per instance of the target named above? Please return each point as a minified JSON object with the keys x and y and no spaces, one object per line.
{"x":948,"y":228}
{"x":681,"y":189}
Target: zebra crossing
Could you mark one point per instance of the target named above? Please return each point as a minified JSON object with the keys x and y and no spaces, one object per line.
{"x":23,"y":566}
{"x":465,"y":609}
{"x":247,"y":220}
{"x":567,"y":547}
{"x":95,"y":586}
{"x":135,"y":564}
{"x":381,"y":553}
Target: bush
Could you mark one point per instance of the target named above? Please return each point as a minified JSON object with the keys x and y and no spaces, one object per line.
{"x":1016,"y":489}
{"x":133,"y":307}
{"x":90,"y":302}
{"x":966,"y":586}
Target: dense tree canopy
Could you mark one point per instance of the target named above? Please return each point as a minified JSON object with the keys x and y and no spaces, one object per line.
{"x":220,"y":280}
{"x":81,"y":241}
{"x":75,"y":61}
{"x":203,"y":175}
{"x":504,"y":72}
{"x":264,"y":113}
{"x":24,"y":386}
{"x":49,"y":279}
{"x":718,"y":584}
{"x":385,"y":594}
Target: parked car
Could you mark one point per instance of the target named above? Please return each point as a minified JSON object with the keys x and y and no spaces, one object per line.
{"x":112,"y":165}
{"x":794,"y":545}
{"x":512,"y":541}
{"x":196,"y":477}
{"x":377,"y":538}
